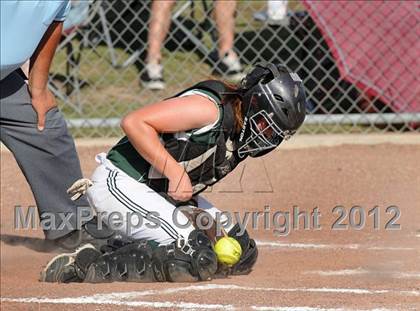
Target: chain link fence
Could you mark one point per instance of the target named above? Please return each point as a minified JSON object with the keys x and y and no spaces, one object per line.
{"x":358,"y":60}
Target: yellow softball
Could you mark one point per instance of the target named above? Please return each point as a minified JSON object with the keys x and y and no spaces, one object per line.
{"x":228,"y":251}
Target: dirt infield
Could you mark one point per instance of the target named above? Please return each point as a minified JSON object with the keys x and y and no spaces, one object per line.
{"x":315,"y":269}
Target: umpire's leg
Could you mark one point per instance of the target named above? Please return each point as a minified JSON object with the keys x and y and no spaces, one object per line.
{"x":48,"y":159}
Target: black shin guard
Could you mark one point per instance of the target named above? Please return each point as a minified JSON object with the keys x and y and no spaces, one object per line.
{"x":143,"y":261}
{"x":131,"y":263}
{"x":193,"y":261}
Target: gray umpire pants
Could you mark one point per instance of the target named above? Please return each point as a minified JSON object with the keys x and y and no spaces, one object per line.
{"x":48,"y":159}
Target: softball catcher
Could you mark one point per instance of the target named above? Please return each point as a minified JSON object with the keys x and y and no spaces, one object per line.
{"x":172,"y":151}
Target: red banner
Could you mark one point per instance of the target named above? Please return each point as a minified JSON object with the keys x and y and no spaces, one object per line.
{"x":376,"y":46}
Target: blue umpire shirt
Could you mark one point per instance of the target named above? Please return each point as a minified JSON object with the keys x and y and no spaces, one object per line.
{"x":23,"y":24}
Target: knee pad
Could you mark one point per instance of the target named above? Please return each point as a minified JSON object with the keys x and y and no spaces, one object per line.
{"x":249,"y":251}
{"x":172,"y":264}
{"x":198,"y":239}
{"x":192,"y":261}
{"x":205,"y":263}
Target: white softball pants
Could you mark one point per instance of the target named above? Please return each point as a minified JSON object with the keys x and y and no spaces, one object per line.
{"x":134,"y":210}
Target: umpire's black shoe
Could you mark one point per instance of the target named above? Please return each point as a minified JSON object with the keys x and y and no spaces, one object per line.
{"x":90,"y":232}
{"x":70,"y":267}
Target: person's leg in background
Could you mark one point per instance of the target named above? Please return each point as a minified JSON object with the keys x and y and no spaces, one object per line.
{"x":160,"y":20}
{"x":224,"y":16}
{"x":48,"y":159}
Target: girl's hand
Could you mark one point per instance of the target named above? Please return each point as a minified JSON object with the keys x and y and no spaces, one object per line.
{"x":180,"y":187}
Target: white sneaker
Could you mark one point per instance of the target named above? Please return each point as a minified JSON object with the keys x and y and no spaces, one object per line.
{"x":152,"y":77}
{"x":233,"y":69}
{"x":272,"y":19}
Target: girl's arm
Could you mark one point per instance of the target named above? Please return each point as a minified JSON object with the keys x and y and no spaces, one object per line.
{"x":144,"y":125}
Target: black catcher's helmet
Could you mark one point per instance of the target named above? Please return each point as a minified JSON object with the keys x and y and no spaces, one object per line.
{"x":273,"y":108}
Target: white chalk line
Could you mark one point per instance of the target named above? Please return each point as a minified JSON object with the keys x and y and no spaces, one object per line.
{"x":361,"y":271}
{"x":184,"y":305}
{"x":93,"y":301}
{"x":312,"y":309}
{"x":121,"y":299}
{"x":312,"y":246}
{"x":343,"y":272}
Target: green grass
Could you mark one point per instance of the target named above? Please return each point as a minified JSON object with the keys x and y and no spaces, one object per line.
{"x":92,"y":132}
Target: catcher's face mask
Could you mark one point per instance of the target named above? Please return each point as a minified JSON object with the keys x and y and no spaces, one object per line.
{"x":263,"y":135}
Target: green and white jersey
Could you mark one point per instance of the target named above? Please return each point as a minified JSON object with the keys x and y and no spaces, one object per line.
{"x":124,"y":156}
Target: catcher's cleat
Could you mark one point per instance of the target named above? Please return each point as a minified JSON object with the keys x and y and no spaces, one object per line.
{"x":52,"y":271}
{"x":70,"y":267}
